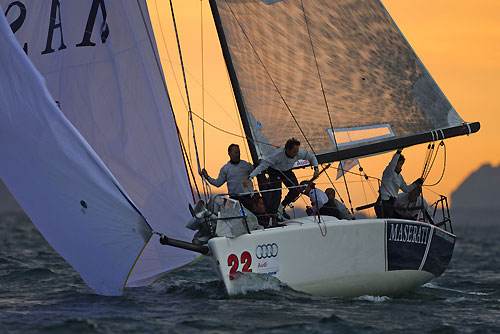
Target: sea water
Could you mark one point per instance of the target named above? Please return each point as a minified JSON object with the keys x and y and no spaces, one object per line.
{"x":41,"y":293}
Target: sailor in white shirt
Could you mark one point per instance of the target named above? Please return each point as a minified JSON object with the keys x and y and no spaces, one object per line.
{"x":392,"y":181}
{"x":318,"y":197}
{"x":413,"y":206}
{"x":234,"y":173}
{"x":279,"y":166}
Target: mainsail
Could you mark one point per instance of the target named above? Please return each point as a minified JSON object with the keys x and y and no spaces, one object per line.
{"x":335,"y":73}
{"x":59,"y":180}
{"x":99,"y":60}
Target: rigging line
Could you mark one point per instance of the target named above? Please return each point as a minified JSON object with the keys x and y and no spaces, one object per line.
{"x":188,"y":154}
{"x":158,"y":64}
{"x":426,"y":158}
{"x":432,"y":191}
{"x":363,"y":186}
{"x":432,"y":164}
{"x":426,"y":170}
{"x":186,"y":159}
{"x":434,"y":160}
{"x":325,"y":99}
{"x":180,"y":56}
{"x":202,"y":82}
{"x":187,"y":94}
{"x":319,"y":215}
{"x":190,"y":168}
{"x":333,"y":186}
{"x":231,"y":133}
{"x":427,"y":153}
{"x":168,"y":55}
{"x":444,"y":169}
{"x":270,"y":77}
{"x":310,"y":181}
{"x":366,"y":177}
{"x":431,"y":149}
{"x":345,"y":182}
{"x":207,"y":92}
{"x":188,"y":132}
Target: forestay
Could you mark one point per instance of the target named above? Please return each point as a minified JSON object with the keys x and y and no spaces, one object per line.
{"x":297,"y":63}
{"x":99,"y":60}
{"x":60,"y":182}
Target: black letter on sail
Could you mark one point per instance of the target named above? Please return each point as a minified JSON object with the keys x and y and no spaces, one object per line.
{"x":54,"y":12}
{"x":90,"y":24}
{"x":19,"y":21}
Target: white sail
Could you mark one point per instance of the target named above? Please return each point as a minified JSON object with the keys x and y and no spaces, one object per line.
{"x":99,"y":60}
{"x":60,"y":182}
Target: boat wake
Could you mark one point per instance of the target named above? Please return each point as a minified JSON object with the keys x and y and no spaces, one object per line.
{"x":434,"y":286}
{"x":253,"y":282}
{"x":373,"y":299}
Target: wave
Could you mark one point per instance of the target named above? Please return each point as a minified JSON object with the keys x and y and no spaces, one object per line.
{"x":374,"y":299}
{"x":455,"y":300}
{"x":209,"y":289}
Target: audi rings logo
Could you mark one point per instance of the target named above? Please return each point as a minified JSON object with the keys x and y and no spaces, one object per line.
{"x":266,"y":251}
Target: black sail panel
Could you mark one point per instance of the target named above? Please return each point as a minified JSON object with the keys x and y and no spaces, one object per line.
{"x":305,"y":67}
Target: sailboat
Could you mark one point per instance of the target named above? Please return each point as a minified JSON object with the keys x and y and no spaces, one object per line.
{"x":92,"y":153}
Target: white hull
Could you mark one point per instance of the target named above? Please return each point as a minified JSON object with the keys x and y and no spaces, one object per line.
{"x":361,"y":257}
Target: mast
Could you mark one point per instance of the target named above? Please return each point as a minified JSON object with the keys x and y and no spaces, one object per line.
{"x":234,"y":81}
{"x":389,"y":145}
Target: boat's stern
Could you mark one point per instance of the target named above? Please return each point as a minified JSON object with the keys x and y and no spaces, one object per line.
{"x":418,"y":246}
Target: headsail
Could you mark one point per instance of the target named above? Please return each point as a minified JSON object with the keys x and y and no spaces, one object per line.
{"x":59,"y":180}
{"x":99,"y":59}
{"x":300,"y":68}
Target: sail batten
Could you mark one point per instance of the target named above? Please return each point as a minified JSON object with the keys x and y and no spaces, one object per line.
{"x":312,"y":69}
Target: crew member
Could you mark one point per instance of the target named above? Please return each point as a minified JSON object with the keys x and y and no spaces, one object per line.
{"x":336,"y":207}
{"x":317,"y":196}
{"x":263,"y":218}
{"x":234,"y":172}
{"x":392,"y":181}
{"x":279,"y":166}
{"x":412,"y":206}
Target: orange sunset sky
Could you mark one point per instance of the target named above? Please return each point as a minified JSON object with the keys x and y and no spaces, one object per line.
{"x":457,"y":40}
